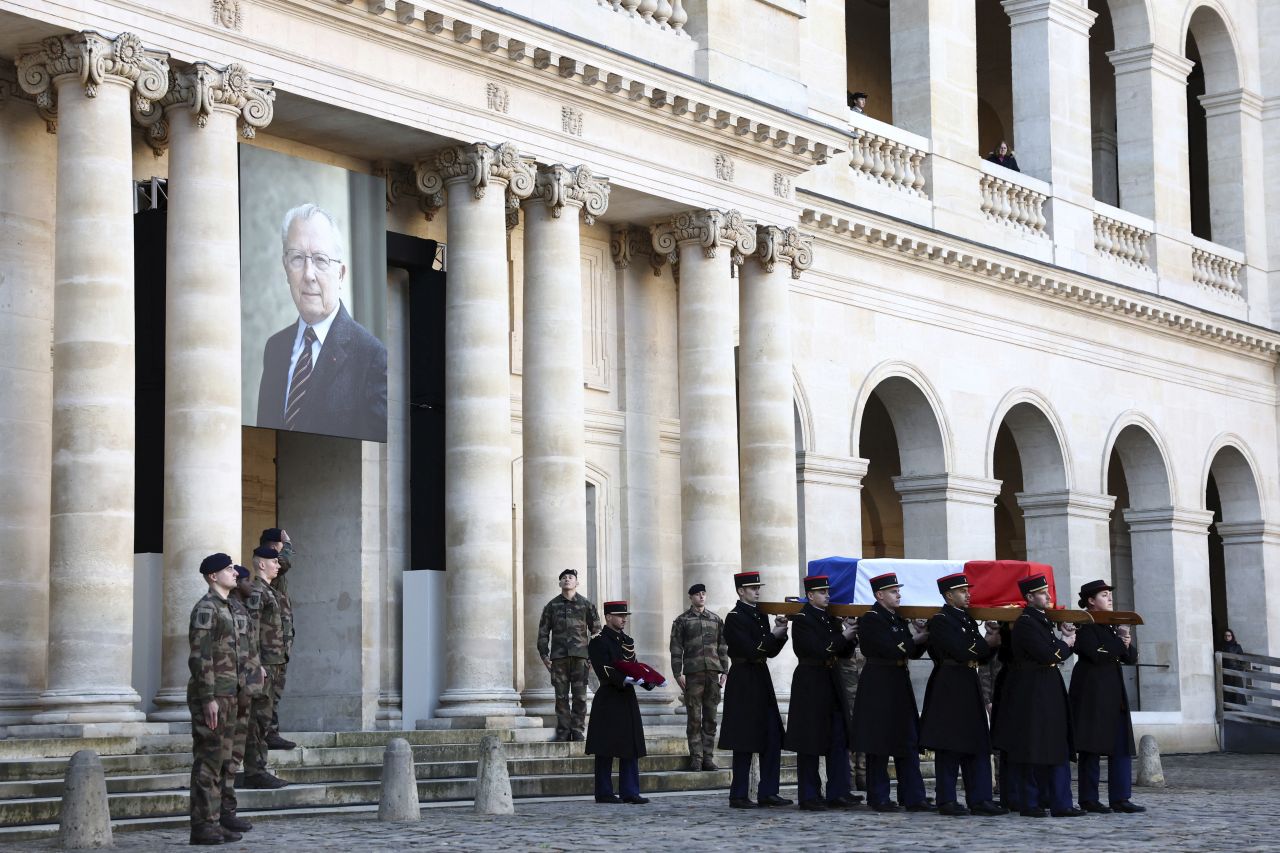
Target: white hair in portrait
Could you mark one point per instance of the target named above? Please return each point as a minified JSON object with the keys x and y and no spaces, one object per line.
{"x":306,"y":211}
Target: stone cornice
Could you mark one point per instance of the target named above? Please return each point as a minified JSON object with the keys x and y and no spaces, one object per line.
{"x":1040,"y":279}
{"x":1168,"y":518}
{"x":204,"y":88}
{"x":1065,"y":12}
{"x":1237,"y":100}
{"x":628,"y":83}
{"x":953,"y":488}
{"x":785,"y":245}
{"x":844,"y":471}
{"x":1151,"y":57}
{"x":559,"y":186}
{"x":1248,"y":533}
{"x":1066,"y":502}
{"x":94,"y":59}
{"x":710,"y":229}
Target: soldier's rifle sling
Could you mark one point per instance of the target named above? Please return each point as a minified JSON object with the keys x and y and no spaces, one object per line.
{"x":982,"y":614}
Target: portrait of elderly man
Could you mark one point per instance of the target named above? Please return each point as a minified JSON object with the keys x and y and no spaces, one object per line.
{"x":323,"y":373}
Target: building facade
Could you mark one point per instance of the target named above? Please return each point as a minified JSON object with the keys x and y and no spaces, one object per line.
{"x":660,"y":306}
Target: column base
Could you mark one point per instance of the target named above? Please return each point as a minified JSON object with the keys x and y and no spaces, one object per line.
{"x":171,"y":706}
{"x":659,"y":702}
{"x":75,"y":707}
{"x":17,"y":708}
{"x":89,"y":730}
{"x":389,"y":716}
{"x":478,"y":722}
{"x":479,"y":704}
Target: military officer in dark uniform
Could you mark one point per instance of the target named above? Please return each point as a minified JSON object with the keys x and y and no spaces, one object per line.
{"x":815,"y":725}
{"x":954,"y":721}
{"x":615,"y":729}
{"x":885,"y":718}
{"x":1035,"y":721}
{"x":751,"y":723}
{"x":1100,"y":707}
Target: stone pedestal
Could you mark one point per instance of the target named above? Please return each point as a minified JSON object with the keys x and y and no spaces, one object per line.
{"x":202,"y":347}
{"x":1071,"y":532}
{"x":478,"y":564}
{"x":27,"y":149}
{"x":948,"y":516}
{"x":96,"y":81}
{"x":555,"y":527}
{"x":705,"y":242}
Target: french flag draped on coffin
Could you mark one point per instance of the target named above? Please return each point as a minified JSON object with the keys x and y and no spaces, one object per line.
{"x":993,"y":583}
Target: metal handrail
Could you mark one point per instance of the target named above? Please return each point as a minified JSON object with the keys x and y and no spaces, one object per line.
{"x":1250,"y":668}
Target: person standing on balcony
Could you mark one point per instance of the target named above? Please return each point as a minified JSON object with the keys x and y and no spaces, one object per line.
{"x":568,"y":623}
{"x":1003,"y":156}
{"x":700,"y":659}
{"x":1100,"y":706}
{"x":858,"y":102}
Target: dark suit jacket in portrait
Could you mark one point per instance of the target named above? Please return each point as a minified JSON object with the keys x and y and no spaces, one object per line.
{"x":348,"y":386}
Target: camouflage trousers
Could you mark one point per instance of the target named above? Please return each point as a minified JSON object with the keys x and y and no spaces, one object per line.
{"x":213,"y":769}
{"x":260,"y":710}
{"x":570,"y":675}
{"x":701,"y":699}
{"x":278,"y":673}
{"x":229,"y":802}
{"x":850,"y":669}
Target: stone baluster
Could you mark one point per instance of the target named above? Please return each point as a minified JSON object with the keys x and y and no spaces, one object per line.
{"x":199,"y":119}
{"x":479,"y":681}
{"x":95,"y":81}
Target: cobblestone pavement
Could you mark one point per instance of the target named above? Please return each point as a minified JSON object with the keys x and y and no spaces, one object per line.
{"x":1212,"y":802}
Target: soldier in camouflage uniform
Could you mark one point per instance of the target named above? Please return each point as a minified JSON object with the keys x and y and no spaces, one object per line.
{"x":247,"y":605}
{"x":271,"y":655}
{"x":568,"y":623}
{"x":849,"y":670}
{"x":212,"y":696}
{"x":278,"y":539}
{"x":700,"y":659}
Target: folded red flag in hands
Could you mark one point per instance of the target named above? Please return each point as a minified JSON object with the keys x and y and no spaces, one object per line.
{"x":641,"y":672}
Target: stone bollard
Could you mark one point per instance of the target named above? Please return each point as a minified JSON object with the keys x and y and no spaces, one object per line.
{"x":493,"y":784}
{"x":753,"y":778}
{"x":1150,"y":773}
{"x":85,"y":822}
{"x":399,"y":798}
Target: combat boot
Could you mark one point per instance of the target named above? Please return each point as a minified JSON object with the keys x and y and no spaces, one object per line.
{"x":263,"y":780}
{"x":235,"y":823}
{"x":709,"y":764}
{"x":229,"y":835}
{"x":204,"y":834}
{"x":695,"y":762}
{"x":274,"y":741}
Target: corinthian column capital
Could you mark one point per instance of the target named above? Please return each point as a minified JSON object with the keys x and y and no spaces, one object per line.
{"x":558,"y":186}
{"x":203,"y":89}
{"x":94,"y":58}
{"x":785,"y":245}
{"x":628,"y":242}
{"x":477,"y":165}
{"x":10,"y":90}
{"x":709,"y":229}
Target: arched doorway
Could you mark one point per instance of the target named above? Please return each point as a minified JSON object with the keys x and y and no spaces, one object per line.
{"x":1237,"y":578}
{"x":1214,"y":150}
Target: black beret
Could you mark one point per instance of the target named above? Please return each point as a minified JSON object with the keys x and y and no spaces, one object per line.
{"x":573,"y":572}
{"x":241,"y":573}
{"x":215,"y":563}
{"x":697,"y":588}
{"x":272,"y":534}
{"x":266,"y":552}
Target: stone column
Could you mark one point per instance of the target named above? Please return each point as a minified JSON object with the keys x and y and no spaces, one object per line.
{"x":95,"y":80}
{"x":478,"y":559}
{"x":1070,"y":531}
{"x":1251,"y":551}
{"x":709,"y":521}
{"x":831,"y":500}
{"x":555,"y":525}
{"x":642,"y":375}
{"x":1236,"y":183}
{"x":199,"y":118}
{"x":27,"y":149}
{"x":948,"y":516}
{"x":1170,"y":588}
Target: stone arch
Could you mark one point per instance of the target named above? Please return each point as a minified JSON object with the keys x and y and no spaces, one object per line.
{"x":1235,"y":473}
{"x":1143,"y":454}
{"x":1207,"y":23}
{"x":1041,"y":440}
{"x":1131,"y":22}
{"x":803,"y":414}
{"x":919,"y":422}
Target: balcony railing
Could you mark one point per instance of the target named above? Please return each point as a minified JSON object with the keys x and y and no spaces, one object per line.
{"x":883,"y":154}
{"x":1122,"y":236}
{"x":1217,"y":268}
{"x":665,"y":14}
{"x":1013,"y":199}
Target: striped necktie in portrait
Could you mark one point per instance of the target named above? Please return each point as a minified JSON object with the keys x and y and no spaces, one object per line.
{"x":301,"y":373}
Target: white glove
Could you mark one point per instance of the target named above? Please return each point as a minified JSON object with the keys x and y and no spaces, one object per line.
{"x":629,"y":680}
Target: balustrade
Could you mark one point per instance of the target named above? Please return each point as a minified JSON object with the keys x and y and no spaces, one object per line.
{"x":1122,"y":241}
{"x":665,"y":14}
{"x":888,"y":161}
{"x":1216,"y":272}
{"x":1013,"y":204}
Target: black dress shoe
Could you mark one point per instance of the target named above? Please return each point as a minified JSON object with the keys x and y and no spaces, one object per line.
{"x":742,"y":803}
{"x":813,"y":806}
{"x":884,"y":807}
{"x":774,"y":800}
{"x":845,"y":801}
{"x":926,"y":806}
{"x":952,"y":810}
{"x":839,"y":804}
{"x":1127,"y":807}
{"x":609,"y":799}
{"x":1094,"y":807}
{"x":988,"y":809}
{"x":637,"y":800}
{"x":1071,"y":812}
{"x":1033,"y":813}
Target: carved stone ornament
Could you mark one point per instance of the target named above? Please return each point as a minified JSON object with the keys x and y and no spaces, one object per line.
{"x":203,"y":88}
{"x":788,"y":245}
{"x":512,"y":203}
{"x":628,"y":241}
{"x":558,"y":186}
{"x":724,"y":167}
{"x":10,"y":90}
{"x":477,"y":164}
{"x":710,"y":229}
{"x":226,"y":13}
{"x":93,"y":58}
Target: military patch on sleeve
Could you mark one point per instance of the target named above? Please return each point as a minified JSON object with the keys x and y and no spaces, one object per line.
{"x":255,"y":600}
{"x":242,"y":623}
{"x":203,"y":617}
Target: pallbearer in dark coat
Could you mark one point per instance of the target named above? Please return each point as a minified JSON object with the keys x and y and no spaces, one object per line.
{"x":615,"y":730}
{"x":1100,"y":706}
{"x":954,"y":722}
{"x":1035,"y":722}
{"x":815,"y":724}
{"x":885,"y":719}
{"x":751,"y":723}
